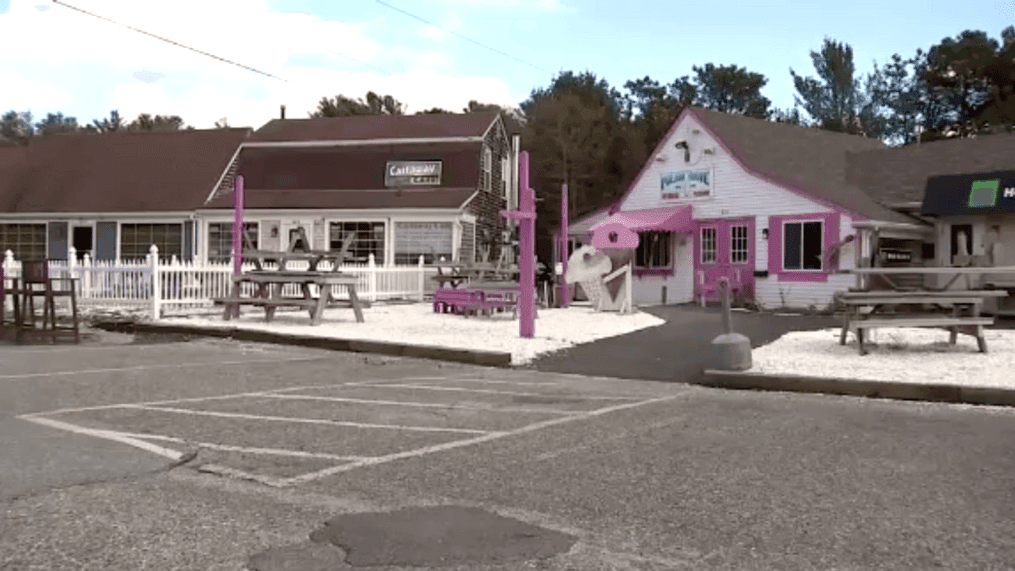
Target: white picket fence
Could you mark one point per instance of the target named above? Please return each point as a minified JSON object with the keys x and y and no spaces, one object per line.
{"x":165,"y":286}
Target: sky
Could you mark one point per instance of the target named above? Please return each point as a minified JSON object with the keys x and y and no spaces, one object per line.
{"x":55,"y":58}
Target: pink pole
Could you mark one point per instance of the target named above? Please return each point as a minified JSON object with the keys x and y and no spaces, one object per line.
{"x":526,"y":218}
{"x":564,"y":293}
{"x":237,"y":236}
{"x":527,"y":249}
{"x":238,"y":225}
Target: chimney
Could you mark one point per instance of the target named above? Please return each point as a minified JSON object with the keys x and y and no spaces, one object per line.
{"x":283,"y":112}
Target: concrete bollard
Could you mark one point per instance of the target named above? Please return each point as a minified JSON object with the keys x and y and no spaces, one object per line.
{"x":731,"y":351}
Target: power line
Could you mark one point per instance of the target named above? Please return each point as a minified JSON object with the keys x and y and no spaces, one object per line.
{"x":174,"y":43}
{"x":466,"y":38}
{"x":359,"y":61}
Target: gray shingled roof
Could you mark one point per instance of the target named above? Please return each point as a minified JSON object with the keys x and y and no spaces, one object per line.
{"x":812,"y":160}
{"x":900,"y":174}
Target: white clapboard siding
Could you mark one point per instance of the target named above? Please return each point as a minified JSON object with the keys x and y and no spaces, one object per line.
{"x":736,"y":193}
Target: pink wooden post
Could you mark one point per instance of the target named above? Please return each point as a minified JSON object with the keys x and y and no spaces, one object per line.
{"x":564,"y":294}
{"x":237,"y":235}
{"x":526,"y":218}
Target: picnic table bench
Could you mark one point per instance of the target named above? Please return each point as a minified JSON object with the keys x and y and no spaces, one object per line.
{"x":268,"y":294}
{"x":964,"y":317}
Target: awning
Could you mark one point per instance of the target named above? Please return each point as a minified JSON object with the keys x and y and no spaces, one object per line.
{"x":622,"y":228}
{"x":970,"y":193}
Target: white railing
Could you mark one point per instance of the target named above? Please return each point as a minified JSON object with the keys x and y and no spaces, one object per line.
{"x":166,"y":285}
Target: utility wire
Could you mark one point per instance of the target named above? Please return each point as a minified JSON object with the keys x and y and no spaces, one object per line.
{"x":172,"y":42}
{"x":466,"y":38}
{"x":359,"y":61}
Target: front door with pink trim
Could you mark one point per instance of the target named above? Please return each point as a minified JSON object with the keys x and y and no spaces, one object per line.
{"x":724,"y":247}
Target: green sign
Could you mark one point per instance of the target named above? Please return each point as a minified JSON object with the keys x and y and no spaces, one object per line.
{"x":983,"y":193}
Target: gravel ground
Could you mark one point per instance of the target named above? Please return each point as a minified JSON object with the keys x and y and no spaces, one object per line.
{"x":903,"y":354}
{"x":556,"y":329}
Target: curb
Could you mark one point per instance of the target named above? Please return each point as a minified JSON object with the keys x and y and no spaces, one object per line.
{"x":858,"y":388}
{"x":470,"y":357}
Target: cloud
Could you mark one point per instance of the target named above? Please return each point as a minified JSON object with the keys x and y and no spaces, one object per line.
{"x":136,"y":74}
{"x":24,"y":93}
{"x":148,"y":76}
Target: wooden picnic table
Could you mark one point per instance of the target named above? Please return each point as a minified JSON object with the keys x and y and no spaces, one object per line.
{"x":283,"y":259}
{"x":955,"y":272}
{"x":964,"y":316}
{"x":269,"y":293}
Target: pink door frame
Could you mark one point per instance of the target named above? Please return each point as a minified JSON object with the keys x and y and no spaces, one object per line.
{"x":740,"y":274}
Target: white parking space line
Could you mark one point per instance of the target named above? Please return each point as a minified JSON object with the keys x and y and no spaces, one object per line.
{"x":153,"y":367}
{"x":244,"y":449}
{"x":240,"y":474}
{"x":304,"y":420}
{"x":309,"y":477}
{"x":495,"y":392}
{"x":417,"y":404}
{"x":108,"y":435}
{"x":196,"y":399}
{"x":478,"y":380}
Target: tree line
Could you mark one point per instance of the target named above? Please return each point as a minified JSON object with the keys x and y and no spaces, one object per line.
{"x":581,"y":130}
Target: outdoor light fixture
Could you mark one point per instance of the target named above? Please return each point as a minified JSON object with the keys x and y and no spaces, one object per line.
{"x":764,"y":233}
{"x":687,"y":150}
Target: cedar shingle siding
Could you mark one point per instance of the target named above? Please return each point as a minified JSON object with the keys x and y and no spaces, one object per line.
{"x":488,"y":203}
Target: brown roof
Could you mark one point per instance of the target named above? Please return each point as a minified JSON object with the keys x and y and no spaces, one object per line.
{"x":352,"y":176}
{"x":119,"y":172}
{"x":367,"y":127}
{"x":348,"y":199}
{"x":900,"y":174}
{"x":810,"y":160}
{"x":352,"y":168}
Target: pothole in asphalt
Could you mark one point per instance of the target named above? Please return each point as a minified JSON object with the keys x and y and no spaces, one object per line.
{"x":419,"y":537}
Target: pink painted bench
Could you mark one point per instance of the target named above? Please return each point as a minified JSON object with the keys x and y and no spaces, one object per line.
{"x":466,"y":301}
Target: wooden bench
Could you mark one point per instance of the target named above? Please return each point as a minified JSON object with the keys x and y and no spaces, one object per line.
{"x":964,"y":316}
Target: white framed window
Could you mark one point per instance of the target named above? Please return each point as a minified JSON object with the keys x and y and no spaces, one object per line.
{"x":487,"y":164}
{"x":738,"y":244}
{"x":708,"y":245}
{"x":136,"y":239}
{"x":220,"y":239}
{"x":654,"y":252}
{"x":26,"y":241}
{"x":369,"y":240}
{"x":505,"y":176}
{"x":432,"y":240}
{"x":801,"y":244}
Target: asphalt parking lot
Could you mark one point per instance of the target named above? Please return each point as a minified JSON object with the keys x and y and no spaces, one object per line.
{"x":220,"y":455}
{"x":316,"y":421}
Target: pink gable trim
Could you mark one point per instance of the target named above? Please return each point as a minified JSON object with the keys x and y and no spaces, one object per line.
{"x":830,"y":228}
{"x":734,"y":152}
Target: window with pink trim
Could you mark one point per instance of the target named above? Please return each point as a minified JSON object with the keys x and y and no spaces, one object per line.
{"x":797,"y":245}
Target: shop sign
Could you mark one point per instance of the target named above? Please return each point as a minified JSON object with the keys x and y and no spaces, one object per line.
{"x":895,"y":255}
{"x":686,"y":184}
{"x":412,"y":173}
{"x":984,"y":193}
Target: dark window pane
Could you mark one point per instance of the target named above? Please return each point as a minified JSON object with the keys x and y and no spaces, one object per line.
{"x":791,"y":245}
{"x":812,"y":245}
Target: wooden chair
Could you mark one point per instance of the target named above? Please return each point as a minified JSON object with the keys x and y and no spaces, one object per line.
{"x":36,"y":282}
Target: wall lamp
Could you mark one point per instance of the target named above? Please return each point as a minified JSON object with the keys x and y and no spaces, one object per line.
{"x":764,"y":233}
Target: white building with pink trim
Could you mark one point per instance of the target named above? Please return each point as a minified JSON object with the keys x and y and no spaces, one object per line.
{"x":766,"y":205}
